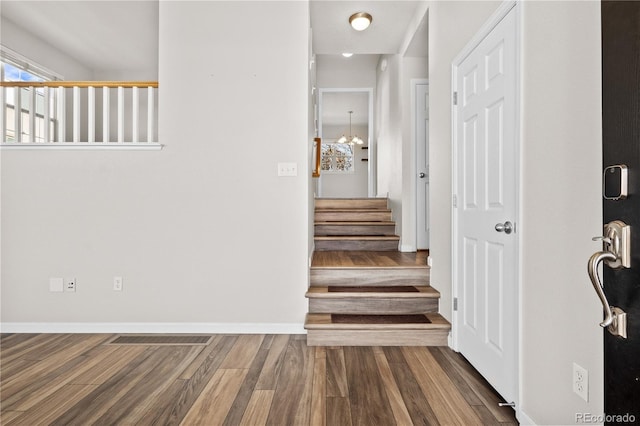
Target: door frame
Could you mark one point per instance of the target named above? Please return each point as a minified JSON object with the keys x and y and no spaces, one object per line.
{"x":372,"y":163}
{"x":486,"y":28}
{"x":415,"y":82}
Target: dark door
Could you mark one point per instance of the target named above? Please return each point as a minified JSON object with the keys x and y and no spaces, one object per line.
{"x":621,"y":145}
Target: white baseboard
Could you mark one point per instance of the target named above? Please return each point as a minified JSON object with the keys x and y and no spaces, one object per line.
{"x":524,"y":419}
{"x":407,"y":248}
{"x":142,"y":327}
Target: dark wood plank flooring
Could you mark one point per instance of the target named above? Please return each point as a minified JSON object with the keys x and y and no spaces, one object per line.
{"x":75,"y":379}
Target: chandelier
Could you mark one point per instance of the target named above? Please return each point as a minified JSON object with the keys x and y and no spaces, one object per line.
{"x":352,"y":139}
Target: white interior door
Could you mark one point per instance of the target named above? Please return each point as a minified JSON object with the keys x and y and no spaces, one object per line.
{"x":422,"y":165}
{"x":485,"y":213}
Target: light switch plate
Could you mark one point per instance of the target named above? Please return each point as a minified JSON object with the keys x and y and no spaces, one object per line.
{"x":287,"y":169}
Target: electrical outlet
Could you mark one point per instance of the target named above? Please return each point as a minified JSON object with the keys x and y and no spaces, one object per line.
{"x":70,"y":284}
{"x":117,"y":283}
{"x":581,"y":382}
{"x":429,"y":261}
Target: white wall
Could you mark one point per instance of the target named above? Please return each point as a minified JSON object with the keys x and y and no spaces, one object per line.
{"x":203,"y":231}
{"x":38,"y":50}
{"x":560,"y":191}
{"x":388,"y":133}
{"x":561,"y":188}
{"x":336,"y":71}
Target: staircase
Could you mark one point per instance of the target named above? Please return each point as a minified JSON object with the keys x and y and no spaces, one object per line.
{"x":363,"y":291}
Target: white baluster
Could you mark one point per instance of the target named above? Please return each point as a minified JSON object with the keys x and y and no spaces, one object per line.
{"x":135,"y":114}
{"x":3,"y":112}
{"x":106,"y":115}
{"x":91,"y":119}
{"x":76,"y":114}
{"x":32,"y":114}
{"x":17,"y":116}
{"x":150,"y":113}
{"x":46,"y":116}
{"x":120,"y":114}
{"x":62,"y":115}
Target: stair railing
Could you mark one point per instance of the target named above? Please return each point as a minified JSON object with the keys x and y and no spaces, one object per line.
{"x":44,"y":113}
{"x":318,"y":157}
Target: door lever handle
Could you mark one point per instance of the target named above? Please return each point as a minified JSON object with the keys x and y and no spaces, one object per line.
{"x":592,"y":269}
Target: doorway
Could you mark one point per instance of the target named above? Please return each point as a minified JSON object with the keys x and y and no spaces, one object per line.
{"x":347,"y":168}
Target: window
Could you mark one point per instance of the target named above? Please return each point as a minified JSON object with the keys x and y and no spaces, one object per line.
{"x":337,"y":157}
{"x":15,"y":68}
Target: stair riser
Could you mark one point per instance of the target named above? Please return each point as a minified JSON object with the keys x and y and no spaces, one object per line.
{"x":355,"y":229}
{"x":377,"y":337}
{"x":352,"y":216}
{"x":377,"y":306}
{"x":370,"y":277}
{"x":357,"y":245}
{"x":344,"y":203}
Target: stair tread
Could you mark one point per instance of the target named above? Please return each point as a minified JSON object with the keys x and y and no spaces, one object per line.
{"x":356,"y":223}
{"x":433,"y":321}
{"x":373,"y":292}
{"x":339,"y":259}
{"x":357,"y":237}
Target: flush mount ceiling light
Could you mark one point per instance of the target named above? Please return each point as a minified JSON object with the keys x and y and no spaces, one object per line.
{"x":360,"y":21}
{"x":347,"y":54}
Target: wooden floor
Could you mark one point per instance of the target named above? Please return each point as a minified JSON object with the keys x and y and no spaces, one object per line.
{"x":75,"y":379}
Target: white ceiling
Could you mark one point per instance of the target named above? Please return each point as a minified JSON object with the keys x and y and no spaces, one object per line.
{"x":103,"y":34}
{"x":333,"y":34}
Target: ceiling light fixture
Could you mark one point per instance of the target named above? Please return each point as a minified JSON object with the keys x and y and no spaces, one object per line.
{"x":352,"y":139}
{"x":347,"y":54}
{"x":360,"y":21}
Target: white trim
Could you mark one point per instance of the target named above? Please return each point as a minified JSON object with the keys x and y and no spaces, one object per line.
{"x":371,"y":164}
{"x":143,"y":327}
{"x":414,"y":109}
{"x":523,"y":419}
{"x":407,"y":248}
{"x":16,"y":59}
{"x":500,"y":13}
{"x":61,"y":146}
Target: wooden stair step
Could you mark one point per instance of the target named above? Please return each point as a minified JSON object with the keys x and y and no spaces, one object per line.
{"x":352,"y":215}
{"x":351,"y":203}
{"x":358,"y":268}
{"x":355,"y":228}
{"x":430,"y":329}
{"x":357,"y":242}
{"x":408,"y":292}
{"x":326,"y":276}
{"x":373,"y":300}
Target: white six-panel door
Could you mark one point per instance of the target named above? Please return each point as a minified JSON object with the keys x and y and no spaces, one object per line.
{"x":485,"y":193}
{"x":422,"y":164}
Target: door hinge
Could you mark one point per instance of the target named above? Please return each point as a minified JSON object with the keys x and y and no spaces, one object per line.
{"x":454,"y":200}
{"x":455,"y":303}
{"x":455,"y":98}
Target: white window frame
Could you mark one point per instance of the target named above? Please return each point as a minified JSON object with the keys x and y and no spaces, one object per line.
{"x":333,"y":160}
